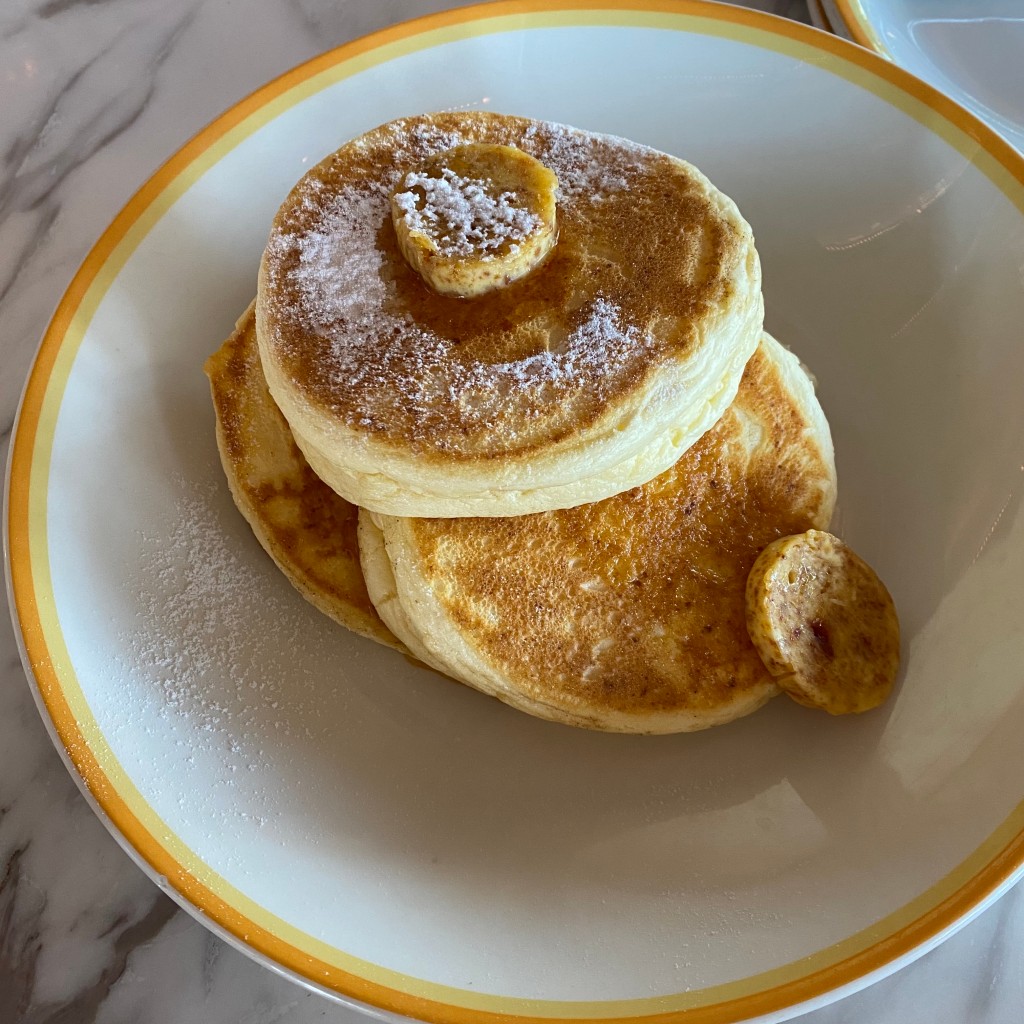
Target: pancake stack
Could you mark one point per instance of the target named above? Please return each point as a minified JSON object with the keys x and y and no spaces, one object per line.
{"x":504,"y":402}
{"x":589,"y":375}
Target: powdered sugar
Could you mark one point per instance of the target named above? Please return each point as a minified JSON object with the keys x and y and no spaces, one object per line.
{"x":339,"y":268}
{"x":597,"y":343}
{"x":336,"y":287}
{"x":344,"y":291}
{"x":461,"y":215}
{"x":581,"y":176}
{"x":198,"y":596}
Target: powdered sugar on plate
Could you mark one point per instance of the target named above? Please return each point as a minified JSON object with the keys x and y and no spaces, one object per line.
{"x":198,"y":597}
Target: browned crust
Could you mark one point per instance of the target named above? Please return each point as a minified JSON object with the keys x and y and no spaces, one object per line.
{"x":658,"y":249}
{"x":658,"y":573}
{"x":307,"y":529}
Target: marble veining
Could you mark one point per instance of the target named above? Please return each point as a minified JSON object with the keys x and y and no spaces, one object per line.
{"x":95,"y":95}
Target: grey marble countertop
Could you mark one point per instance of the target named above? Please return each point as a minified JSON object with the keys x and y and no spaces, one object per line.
{"x":95,"y":95}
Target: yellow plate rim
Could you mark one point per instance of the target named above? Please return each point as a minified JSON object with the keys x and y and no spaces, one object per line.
{"x":873,"y":951}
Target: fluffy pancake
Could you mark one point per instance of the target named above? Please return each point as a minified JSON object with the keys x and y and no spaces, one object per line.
{"x":629,"y":614}
{"x":588,"y":376}
{"x":307,"y":529}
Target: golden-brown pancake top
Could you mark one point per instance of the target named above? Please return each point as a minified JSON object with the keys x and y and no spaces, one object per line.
{"x":647,"y":255}
{"x":636,"y":604}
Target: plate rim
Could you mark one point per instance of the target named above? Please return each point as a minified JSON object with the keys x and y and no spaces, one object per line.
{"x":1002,"y":854}
{"x":856,"y":22}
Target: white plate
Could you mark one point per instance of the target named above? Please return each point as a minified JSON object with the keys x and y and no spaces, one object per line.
{"x":973,"y":50}
{"x":405,"y":843}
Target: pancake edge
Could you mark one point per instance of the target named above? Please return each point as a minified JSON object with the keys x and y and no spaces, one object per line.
{"x":410,"y":611}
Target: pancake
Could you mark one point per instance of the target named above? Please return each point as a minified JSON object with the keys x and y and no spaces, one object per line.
{"x":588,"y":376}
{"x":627,"y":615}
{"x":305,"y":527}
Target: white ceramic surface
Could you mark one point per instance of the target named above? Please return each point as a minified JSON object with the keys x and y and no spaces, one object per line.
{"x":421,"y":828}
{"x":973,"y":50}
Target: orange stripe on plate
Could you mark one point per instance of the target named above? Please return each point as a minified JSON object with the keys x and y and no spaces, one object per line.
{"x":992,"y":865}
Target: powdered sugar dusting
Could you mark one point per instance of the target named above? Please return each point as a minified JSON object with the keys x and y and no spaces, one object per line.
{"x":206,"y":665}
{"x":198,"y":597}
{"x":600,"y":341}
{"x":340,"y":277}
{"x":582,"y":176}
{"x":339,"y":269}
{"x":463,"y":215}
{"x":335,"y":287}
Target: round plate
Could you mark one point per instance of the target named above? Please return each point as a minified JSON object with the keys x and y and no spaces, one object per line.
{"x":387,"y":836}
{"x":970,"y":49}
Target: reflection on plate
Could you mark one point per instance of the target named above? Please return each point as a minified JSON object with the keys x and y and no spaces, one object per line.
{"x":970,"y":49}
{"x":391,"y":839}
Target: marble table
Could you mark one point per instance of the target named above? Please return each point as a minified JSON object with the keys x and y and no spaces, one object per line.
{"x":94,"y":95}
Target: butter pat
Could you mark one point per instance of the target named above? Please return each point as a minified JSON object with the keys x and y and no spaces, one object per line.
{"x":475,"y":218}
